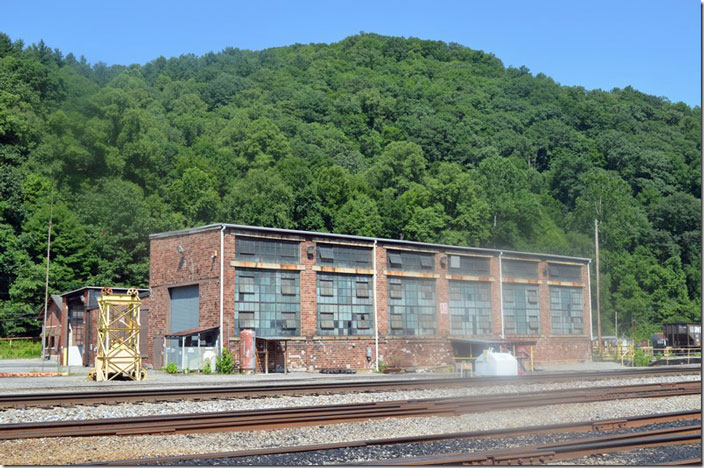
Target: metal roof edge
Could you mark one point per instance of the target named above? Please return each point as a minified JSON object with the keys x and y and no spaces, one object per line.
{"x":363,"y":238}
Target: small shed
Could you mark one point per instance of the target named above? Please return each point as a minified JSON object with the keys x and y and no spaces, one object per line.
{"x":191,"y":349}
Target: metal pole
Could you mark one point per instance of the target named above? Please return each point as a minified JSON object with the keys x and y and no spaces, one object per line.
{"x":222,"y":268}
{"x":589,"y":289}
{"x":501,"y":294}
{"x":598,"y":296}
{"x":46,"y":283}
{"x":376,"y":318}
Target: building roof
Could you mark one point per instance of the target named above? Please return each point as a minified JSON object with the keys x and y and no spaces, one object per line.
{"x":100,"y":288}
{"x":192,"y":331}
{"x":371,"y":240}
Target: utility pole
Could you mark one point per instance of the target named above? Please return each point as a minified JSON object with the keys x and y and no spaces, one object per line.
{"x":46,"y":284}
{"x":598,"y":297}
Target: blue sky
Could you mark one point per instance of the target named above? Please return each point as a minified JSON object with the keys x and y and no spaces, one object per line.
{"x":654,"y":46}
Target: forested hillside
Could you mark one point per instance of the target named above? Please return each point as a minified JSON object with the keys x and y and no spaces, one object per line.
{"x":373,"y":135}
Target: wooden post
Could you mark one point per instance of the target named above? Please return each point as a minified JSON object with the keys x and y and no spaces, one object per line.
{"x":285,"y":357}
{"x":266,"y":357}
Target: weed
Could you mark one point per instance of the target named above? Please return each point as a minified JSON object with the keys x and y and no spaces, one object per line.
{"x":172,"y":368}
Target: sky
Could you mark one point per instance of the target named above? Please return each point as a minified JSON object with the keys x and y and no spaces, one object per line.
{"x":652,"y":45}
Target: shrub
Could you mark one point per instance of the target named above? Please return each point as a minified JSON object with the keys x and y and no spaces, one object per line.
{"x":640,"y":359}
{"x":206,"y":367}
{"x":20,"y":349}
{"x":172,"y":368}
{"x":224,"y":363}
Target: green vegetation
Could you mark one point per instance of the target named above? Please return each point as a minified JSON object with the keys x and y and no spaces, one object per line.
{"x":206,"y":367}
{"x":641,"y":359}
{"x":224,"y":364}
{"x":172,"y":368}
{"x":20,"y":349}
{"x":373,"y":135}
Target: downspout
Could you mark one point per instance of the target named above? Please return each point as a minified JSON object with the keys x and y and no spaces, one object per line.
{"x":589,"y":288}
{"x":222,"y":269}
{"x":376,"y":318}
{"x":501,"y":294}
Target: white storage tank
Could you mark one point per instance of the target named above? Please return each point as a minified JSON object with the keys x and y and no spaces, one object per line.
{"x":493,"y":363}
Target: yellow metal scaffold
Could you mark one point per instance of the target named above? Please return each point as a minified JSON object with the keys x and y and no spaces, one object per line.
{"x":118,"y":337}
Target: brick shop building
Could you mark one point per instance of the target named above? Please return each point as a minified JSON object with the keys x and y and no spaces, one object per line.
{"x":342,"y":302}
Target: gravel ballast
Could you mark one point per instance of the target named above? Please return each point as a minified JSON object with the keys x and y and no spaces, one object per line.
{"x":95,"y":449}
{"x":124,"y":410}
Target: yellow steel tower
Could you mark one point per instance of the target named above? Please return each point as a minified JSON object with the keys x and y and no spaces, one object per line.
{"x":118,"y":337}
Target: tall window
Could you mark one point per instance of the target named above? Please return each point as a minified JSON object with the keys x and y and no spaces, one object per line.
{"x":566,"y":310}
{"x":344,"y":304}
{"x":252,"y":249}
{"x":521,"y":309}
{"x":470,"y":308}
{"x":268,"y":301}
{"x":412,"y":308}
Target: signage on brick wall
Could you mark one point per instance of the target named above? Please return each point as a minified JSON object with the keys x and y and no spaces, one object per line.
{"x":443,"y":308}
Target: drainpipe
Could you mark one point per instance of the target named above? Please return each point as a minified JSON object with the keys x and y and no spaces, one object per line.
{"x":376,"y":319}
{"x":222,"y":269}
{"x":501,"y":294}
{"x":589,"y":288}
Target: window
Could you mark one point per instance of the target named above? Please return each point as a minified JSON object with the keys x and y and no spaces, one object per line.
{"x":469,"y":307}
{"x":250,"y":249}
{"x":395,"y":260}
{"x":273,"y":306}
{"x":288,"y":286}
{"x":246,"y":284}
{"x":519,"y":269}
{"x":184,"y":313}
{"x":411,"y":306}
{"x":522,"y":312}
{"x":326,"y":288}
{"x":411,"y":261}
{"x":566,"y":310}
{"x":344,"y":304}
{"x":395,"y":291}
{"x":467,"y":265}
{"x":362,"y":288}
{"x":344,"y":256}
{"x":426,"y":262}
{"x":567,"y":273}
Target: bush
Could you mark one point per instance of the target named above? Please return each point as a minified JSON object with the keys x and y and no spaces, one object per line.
{"x":224,"y":363}
{"x":206,"y":367}
{"x":172,"y":368}
{"x":20,"y":349}
{"x":640,"y":359}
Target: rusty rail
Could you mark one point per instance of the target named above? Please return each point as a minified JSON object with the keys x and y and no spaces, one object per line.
{"x":313,"y":415}
{"x":580,"y":427}
{"x":257,"y":391}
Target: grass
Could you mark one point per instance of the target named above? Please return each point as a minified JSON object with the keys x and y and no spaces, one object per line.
{"x":20,"y":349}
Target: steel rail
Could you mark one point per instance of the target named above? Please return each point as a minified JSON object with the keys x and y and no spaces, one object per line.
{"x":560,"y":451}
{"x":313,"y":415}
{"x":50,"y":399}
{"x":579,"y":427}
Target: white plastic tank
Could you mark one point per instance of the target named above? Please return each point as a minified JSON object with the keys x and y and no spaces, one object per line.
{"x":493,"y":363}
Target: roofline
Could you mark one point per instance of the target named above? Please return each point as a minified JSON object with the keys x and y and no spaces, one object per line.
{"x":211,"y":227}
{"x":99,"y":288}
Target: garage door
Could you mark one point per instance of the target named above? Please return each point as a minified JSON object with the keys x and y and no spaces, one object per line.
{"x":184,"y":308}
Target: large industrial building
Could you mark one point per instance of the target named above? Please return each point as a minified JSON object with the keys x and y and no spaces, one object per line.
{"x":327,"y":301}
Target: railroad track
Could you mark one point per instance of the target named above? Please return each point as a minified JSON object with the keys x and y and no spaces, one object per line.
{"x":560,"y":451}
{"x":633,"y":422}
{"x":313,"y":415}
{"x":51,"y":399}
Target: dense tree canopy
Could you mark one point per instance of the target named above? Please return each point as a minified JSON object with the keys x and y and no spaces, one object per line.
{"x":373,"y":135}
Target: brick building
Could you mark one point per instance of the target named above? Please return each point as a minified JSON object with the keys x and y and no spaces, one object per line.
{"x":328,"y":299}
{"x":71,"y":326}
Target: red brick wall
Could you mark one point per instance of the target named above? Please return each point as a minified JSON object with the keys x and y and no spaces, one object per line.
{"x":201,"y":252}
{"x":442,"y":296}
{"x":309,"y":351}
